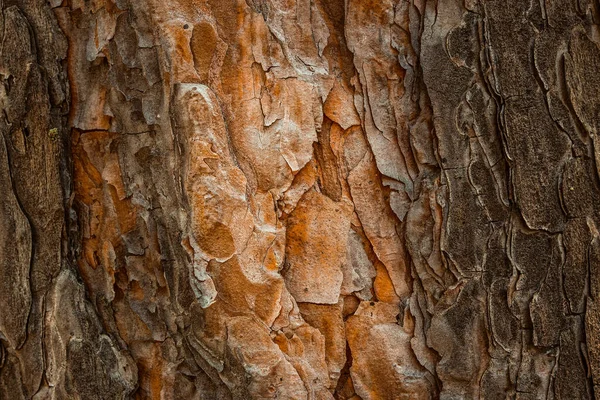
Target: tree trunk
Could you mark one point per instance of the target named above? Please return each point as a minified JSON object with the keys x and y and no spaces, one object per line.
{"x":301,"y":199}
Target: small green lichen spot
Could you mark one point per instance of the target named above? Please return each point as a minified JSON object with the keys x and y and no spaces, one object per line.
{"x":53,"y":134}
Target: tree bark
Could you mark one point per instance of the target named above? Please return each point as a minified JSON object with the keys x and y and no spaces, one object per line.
{"x":301,"y":199}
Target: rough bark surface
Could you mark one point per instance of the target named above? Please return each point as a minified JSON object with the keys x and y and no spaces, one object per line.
{"x":299,"y":199}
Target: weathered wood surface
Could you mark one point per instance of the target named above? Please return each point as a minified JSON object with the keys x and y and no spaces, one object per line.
{"x":299,"y":199}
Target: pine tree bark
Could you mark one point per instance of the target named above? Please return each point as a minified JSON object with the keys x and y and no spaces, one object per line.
{"x":301,"y":199}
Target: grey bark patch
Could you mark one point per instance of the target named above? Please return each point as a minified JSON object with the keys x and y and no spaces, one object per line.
{"x":15,"y":259}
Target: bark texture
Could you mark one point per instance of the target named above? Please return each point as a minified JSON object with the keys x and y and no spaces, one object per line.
{"x":299,"y":199}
